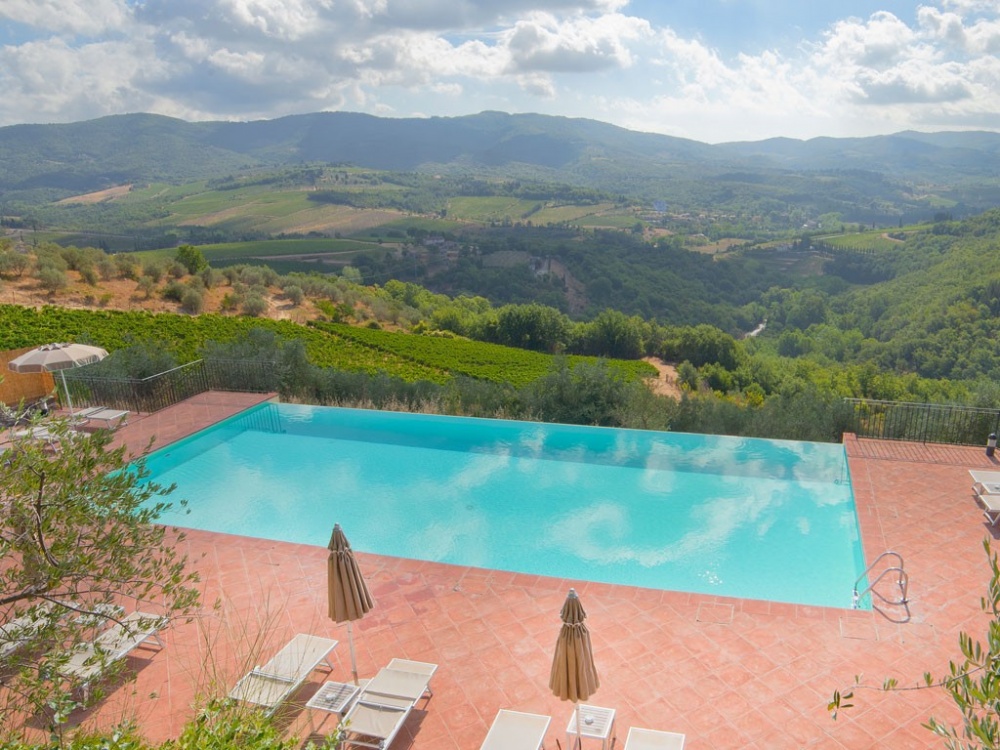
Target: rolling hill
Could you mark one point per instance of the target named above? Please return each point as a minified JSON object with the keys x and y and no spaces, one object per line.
{"x":906,"y":174}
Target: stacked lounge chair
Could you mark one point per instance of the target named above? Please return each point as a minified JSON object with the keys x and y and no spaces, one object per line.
{"x":986,"y":486}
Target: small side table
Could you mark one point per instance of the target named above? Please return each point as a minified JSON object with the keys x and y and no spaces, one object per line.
{"x":596,"y":723}
{"x":332,"y":697}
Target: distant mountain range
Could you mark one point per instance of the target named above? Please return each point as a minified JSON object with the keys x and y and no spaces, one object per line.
{"x":956,"y":169}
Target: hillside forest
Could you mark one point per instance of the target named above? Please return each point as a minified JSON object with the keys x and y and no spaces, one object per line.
{"x":926,"y":330}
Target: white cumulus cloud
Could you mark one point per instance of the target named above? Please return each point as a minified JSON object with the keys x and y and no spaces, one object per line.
{"x":72,"y":17}
{"x":933,"y":66}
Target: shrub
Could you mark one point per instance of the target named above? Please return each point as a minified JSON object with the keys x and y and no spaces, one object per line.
{"x":174,"y":291}
{"x":254,"y":306}
{"x":590,"y":394}
{"x":154,"y":270}
{"x":211,"y":277}
{"x":126,"y":266}
{"x":229,"y":302}
{"x":52,"y":279}
{"x":294,"y":294}
{"x":88,"y":274}
{"x":13,"y":263}
{"x":146,"y":285}
{"x":106,"y":268}
{"x":192,"y":302}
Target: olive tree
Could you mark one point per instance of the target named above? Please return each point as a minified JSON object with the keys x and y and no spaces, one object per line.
{"x":191,"y":258}
{"x":79,"y":548}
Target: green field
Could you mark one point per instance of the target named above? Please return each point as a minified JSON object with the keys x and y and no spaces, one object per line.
{"x":490,"y":208}
{"x":576,"y":214}
{"x":610,"y":221}
{"x":861,"y":242}
{"x":330,"y":201}
{"x":279,"y":248}
{"x":341,"y":251}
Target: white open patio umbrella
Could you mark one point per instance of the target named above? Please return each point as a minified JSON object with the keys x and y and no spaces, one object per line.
{"x":574,"y":675}
{"x":52,"y":357}
{"x":347,"y":592}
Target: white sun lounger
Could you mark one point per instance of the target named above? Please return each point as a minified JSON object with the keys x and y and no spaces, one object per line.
{"x":653,"y":739}
{"x":90,"y":660}
{"x":384,"y":704}
{"x":986,"y":486}
{"x":272,"y":684}
{"x":985,"y":482}
{"x":104,"y":414}
{"x":20,"y":631}
{"x":991,"y":506}
{"x":516,"y":730}
{"x":42,"y":434}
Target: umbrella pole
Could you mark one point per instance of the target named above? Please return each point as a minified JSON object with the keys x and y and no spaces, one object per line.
{"x":354,"y":661}
{"x":69,"y":400}
{"x":579,"y":726}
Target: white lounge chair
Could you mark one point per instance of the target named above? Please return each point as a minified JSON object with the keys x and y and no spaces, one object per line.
{"x":417,"y":667}
{"x":104,"y":414}
{"x":272,"y":684}
{"x":384,"y":704}
{"x":91,"y":660}
{"x":516,"y":730}
{"x":653,"y":739}
{"x":42,"y":434}
{"x":991,"y":506}
{"x":985,"y":482}
{"x":986,"y":486}
{"x":20,"y":631}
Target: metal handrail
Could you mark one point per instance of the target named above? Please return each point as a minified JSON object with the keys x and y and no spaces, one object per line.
{"x":954,"y":424}
{"x":902,"y":580}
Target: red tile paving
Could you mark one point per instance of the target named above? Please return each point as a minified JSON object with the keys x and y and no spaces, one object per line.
{"x":729,"y":673}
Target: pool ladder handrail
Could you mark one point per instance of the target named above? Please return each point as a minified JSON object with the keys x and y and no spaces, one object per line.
{"x":902,"y":580}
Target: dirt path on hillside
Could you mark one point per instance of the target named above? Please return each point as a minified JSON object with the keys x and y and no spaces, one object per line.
{"x":665,"y":383}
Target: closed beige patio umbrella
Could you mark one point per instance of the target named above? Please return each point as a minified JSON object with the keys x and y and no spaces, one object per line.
{"x":574,"y":675}
{"x":347,"y":592}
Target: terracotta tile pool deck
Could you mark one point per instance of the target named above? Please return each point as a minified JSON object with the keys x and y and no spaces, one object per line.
{"x":728,"y":673}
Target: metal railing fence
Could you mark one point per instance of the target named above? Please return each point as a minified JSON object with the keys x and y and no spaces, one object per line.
{"x":923,"y":423}
{"x":172,"y":386}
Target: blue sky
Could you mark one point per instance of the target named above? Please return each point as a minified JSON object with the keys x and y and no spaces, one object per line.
{"x":711,"y":70}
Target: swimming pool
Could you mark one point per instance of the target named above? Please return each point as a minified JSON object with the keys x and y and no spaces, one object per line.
{"x":751,"y":518}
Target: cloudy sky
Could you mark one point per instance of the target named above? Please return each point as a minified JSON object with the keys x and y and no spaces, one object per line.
{"x":712,"y":70}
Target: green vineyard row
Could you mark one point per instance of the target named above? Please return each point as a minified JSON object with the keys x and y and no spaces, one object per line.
{"x":184,"y":337}
{"x":401,"y":355}
{"x":474,"y":359}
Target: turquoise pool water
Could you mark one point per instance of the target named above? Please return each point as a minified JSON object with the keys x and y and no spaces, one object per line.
{"x":751,"y":518}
